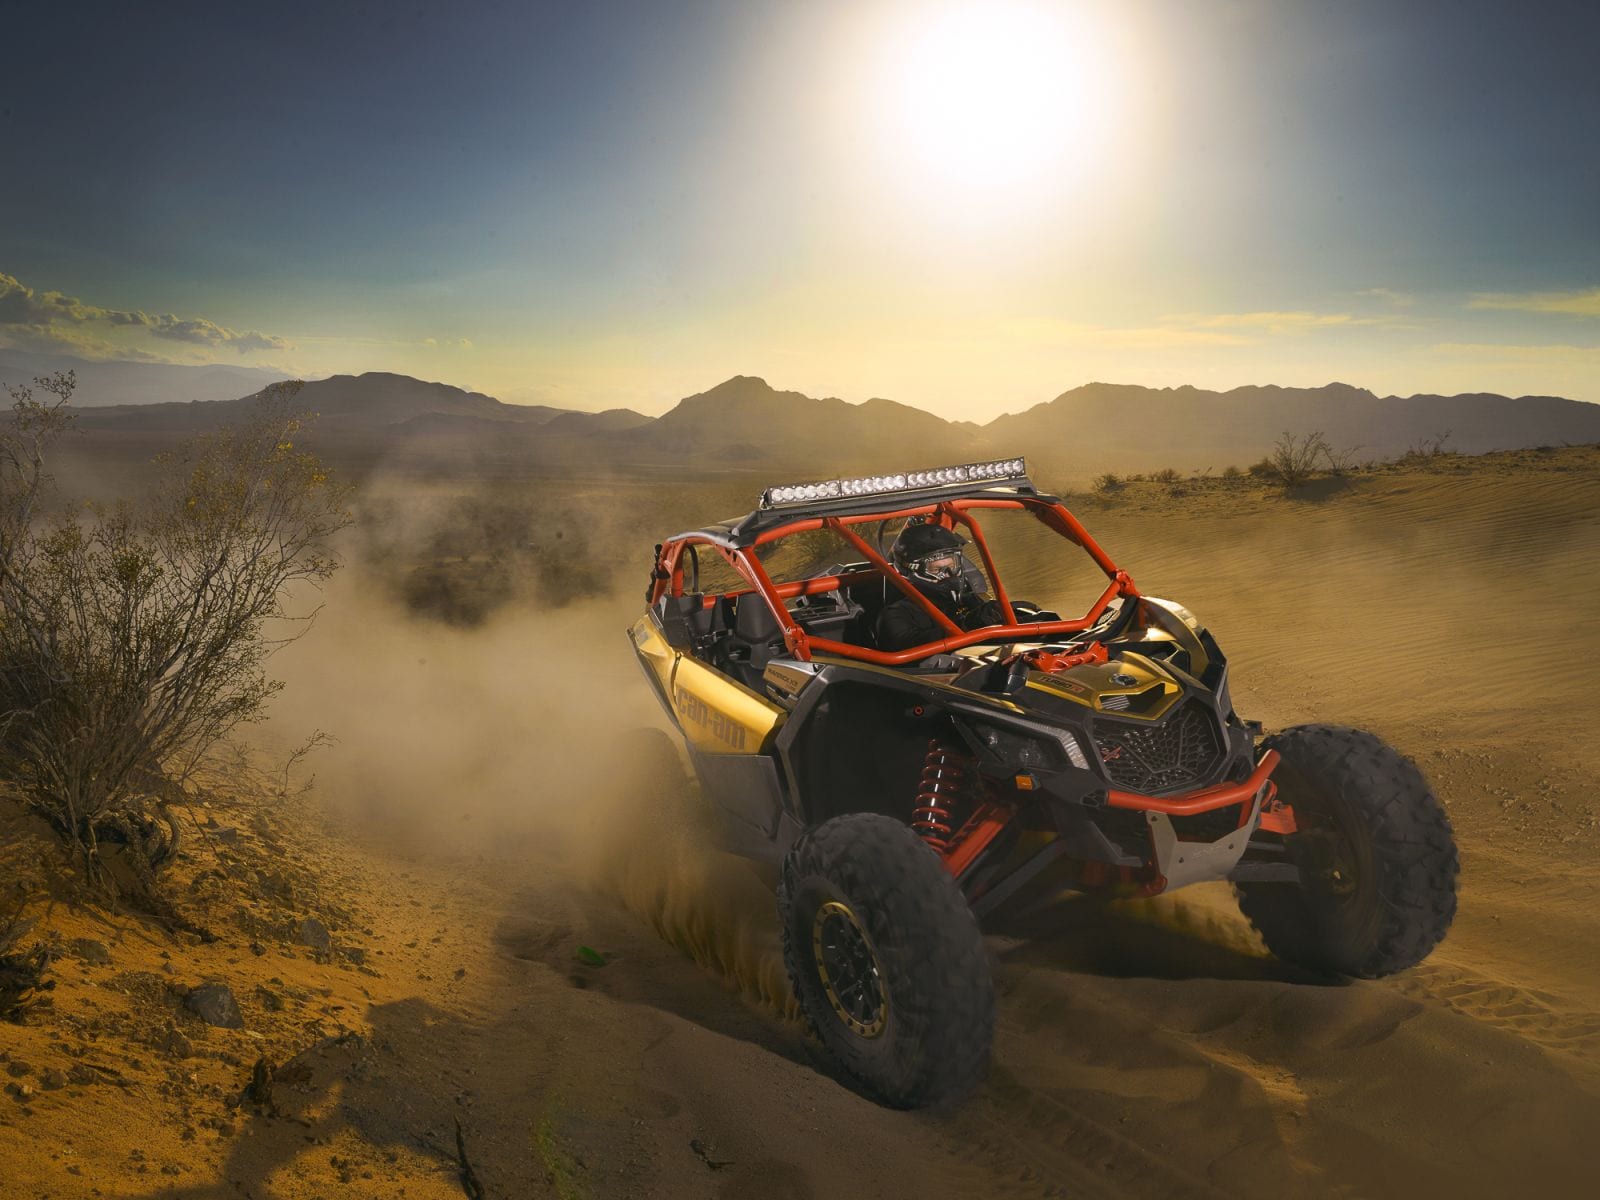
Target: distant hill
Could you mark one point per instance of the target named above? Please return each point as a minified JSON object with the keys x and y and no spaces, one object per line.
{"x":104,"y":383}
{"x":791,"y":428}
{"x":1098,"y":427}
{"x":745,"y":425}
{"x":377,"y":405}
{"x":1189,"y":427}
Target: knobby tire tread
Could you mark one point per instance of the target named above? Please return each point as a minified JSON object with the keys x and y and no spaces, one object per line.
{"x":941,"y":989}
{"x":1413,"y":847}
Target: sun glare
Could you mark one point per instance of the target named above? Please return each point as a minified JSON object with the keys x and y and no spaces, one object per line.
{"x":985,"y":96}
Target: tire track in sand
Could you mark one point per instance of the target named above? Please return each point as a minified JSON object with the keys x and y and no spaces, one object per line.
{"x":1035,"y":1145}
{"x":1534,"y":1017}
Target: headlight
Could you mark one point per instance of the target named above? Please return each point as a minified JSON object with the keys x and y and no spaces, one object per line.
{"x":1034,"y":749}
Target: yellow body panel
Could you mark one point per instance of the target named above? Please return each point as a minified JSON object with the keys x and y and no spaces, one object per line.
{"x":654,"y":651}
{"x":720,"y":716}
{"x":717,"y":715}
{"x":1090,"y":685}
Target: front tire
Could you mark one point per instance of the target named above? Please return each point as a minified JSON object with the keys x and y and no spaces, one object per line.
{"x":1376,"y":854}
{"x":887,"y":961}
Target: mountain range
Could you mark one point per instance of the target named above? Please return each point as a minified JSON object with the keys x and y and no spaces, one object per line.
{"x":744,"y":425}
{"x":121,"y":382}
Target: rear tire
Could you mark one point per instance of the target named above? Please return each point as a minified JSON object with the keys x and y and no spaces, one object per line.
{"x":1376,"y":853}
{"x":907,"y":1008}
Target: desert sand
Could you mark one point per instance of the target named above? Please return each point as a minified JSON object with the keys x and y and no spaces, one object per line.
{"x":518,"y":949}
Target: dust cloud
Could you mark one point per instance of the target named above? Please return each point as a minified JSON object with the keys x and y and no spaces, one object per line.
{"x":487,"y":714}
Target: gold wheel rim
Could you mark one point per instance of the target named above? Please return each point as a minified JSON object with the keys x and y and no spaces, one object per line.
{"x":858,"y":996}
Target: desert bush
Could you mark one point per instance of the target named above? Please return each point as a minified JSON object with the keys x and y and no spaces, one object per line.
{"x":133,"y":636}
{"x":1232,"y":473}
{"x":462,"y":559}
{"x":1293,"y":459}
{"x":1165,"y":475}
{"x":1106,"y":484}
{"x":1433,"y":447}
{"x":1342,"y":461}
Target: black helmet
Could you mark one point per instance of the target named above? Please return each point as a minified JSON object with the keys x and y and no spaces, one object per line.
{"x":931,"y":555}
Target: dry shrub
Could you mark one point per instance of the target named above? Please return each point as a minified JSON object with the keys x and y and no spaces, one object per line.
{"x":133,"y":636}
{"x":1108,"y":483}
{"x":1342,"y":461}
{"x":1434,"y":447}
{"x":1293,"y":459}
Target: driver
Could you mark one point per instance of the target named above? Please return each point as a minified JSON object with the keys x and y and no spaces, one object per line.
{"x":930,"y":558}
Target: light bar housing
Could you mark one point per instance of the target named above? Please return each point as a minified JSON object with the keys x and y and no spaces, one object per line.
{"x":908,"y":481}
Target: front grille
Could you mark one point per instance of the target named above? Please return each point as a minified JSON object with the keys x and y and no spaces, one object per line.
{"x":1176,"y":754}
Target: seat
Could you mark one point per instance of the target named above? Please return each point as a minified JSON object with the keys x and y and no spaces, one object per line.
{"x":757,"y":639}
{"x":681,"y":620}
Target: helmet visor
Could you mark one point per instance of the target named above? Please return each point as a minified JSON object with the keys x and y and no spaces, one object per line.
{"x":938,"y":566}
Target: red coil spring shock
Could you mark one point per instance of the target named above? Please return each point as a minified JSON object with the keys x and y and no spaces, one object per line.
{"x":944,"y":781}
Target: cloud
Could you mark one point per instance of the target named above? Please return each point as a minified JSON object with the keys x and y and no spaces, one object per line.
{"x":1579,"y":304}
{"x":449,"y":343}
{"x":1280,"y":322}
{"x":200,"y":332}
{"x":1056,"y":331}
{"x":1180,"y":330}
{"x":21,"y":305}
{"x":54,"y":317}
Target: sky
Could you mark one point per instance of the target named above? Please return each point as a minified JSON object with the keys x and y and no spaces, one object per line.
{"x":966,"y":206}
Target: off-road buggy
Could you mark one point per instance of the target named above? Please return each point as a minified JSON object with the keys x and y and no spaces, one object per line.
{"x":901,"y":795}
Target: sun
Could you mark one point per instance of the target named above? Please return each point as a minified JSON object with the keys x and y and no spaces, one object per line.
{"x":996,"y":94}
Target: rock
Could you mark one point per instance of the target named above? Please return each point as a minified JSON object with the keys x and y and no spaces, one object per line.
{"x":214,"y":1004}
{"x":257,"y":949}
{"x":314,"y":933}
{"x":81,"y":1075}
{"x":177,"y":1045}
{"x":22,"y":1091}
{"x":17,"y":1068}
{"x":270,"y":1000}
{"x":276,"y":885}
{"x":53,"y":1080}
{"x":227,"y":836}
{"x":354,"y":954}
{"x":96,"y":954}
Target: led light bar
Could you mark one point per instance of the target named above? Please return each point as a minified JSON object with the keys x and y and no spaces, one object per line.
{"x":873,"y":485}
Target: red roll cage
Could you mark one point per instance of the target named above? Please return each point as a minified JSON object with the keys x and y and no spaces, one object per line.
{"x":741,"y":556}
{"x":990,"y":819}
